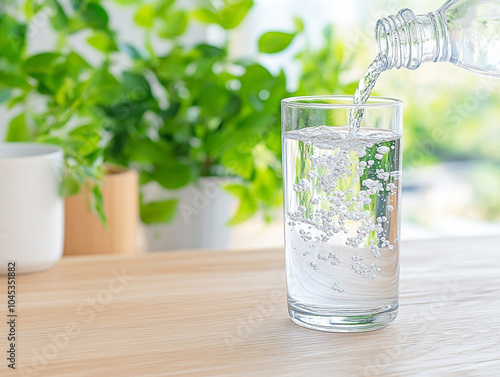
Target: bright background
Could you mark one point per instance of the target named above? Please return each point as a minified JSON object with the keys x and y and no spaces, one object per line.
{"x":451,"y":129}
{"x":451,"y":182}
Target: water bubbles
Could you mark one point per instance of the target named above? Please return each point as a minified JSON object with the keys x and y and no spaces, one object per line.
{"x":322,"y":257}
{"x":375,"y":251}
{"x":340,"y":192}
{"x":314,"y":201}
{"x":381,"y":174}
{"x":334,"y":259}
{"x":358,"y":257}
{"x":337,"y":287}
{"x":306,"y":236}
{"x":311,"y":174}
{"x":365,"y":271}
{"x":372,"y":186}
{"x":361,"y":152}
{"x":302,"y":186}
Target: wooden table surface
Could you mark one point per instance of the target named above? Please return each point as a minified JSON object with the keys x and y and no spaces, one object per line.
{"x":223,"y":313}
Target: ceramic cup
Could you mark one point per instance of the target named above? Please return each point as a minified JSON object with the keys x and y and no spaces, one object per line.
{"x":31,"y":209}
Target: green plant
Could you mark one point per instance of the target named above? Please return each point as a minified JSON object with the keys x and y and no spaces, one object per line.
{"x":211,"y":115}
{"x":175,"y":116}
{"x":56,"y":94}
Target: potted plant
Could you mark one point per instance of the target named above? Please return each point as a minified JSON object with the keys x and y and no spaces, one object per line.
{"x":57,"y":96}
{"x":200,"y":121}
{"x":191,"y":120}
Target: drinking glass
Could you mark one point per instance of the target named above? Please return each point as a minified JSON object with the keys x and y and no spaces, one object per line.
{"x":341,"y":190}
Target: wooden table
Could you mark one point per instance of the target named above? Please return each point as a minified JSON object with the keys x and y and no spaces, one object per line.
{"x":224,"y":314}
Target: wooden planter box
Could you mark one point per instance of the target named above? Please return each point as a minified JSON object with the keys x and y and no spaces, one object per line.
{"x":85,"y":234}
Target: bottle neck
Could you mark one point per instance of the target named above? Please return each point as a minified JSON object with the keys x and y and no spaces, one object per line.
{"x":408,"y":40}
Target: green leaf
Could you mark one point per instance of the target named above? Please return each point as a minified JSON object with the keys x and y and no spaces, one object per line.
{"x":210,"y":51}
{"x":299,"y":24}
{"x":102,"y":41}
{"x":213,"y":100}
{"x":13,"y":39}
{"x":230,"y":16}
{"x":45,"y":63}
{"x":69,"y":186}
{"x":275,"y":41}
{"x":234,"y":12}
{"x":248,"y":206}
{"x":205,"y":15}
{"x":84,"y":140}
{"x":266,"y":187}
{"x":172,"y":175}
{"x":145,"y":151}
{"x":95,"y":15}
{"x":75,"y":64}
{"x":175,"y":23}
{"x":18,"y":130}
{"x":145,"y":16}
{"x":159,"y":212}
{"x":130,"y":50}
{"x":256,"y":123}
{"x":59,"y":19}
{"x":12,"y":80}
{"x":239,"y":162}
{"x":104,"y":88}
{"x":97,"y":204}
{"x":144,"y":177}
{"x":135,"y":87}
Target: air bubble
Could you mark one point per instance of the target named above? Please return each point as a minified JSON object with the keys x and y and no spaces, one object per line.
{"x":302,"y":186}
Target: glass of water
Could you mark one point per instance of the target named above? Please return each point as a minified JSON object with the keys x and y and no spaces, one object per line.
{"x":341,"y":187}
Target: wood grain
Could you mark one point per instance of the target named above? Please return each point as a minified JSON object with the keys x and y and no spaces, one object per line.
{"x":214,"y":313}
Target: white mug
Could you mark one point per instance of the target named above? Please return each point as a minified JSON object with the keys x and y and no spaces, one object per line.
{"x":31,"y":209}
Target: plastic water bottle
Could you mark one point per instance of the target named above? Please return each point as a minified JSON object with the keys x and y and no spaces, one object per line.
{"x":463,"y":32}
